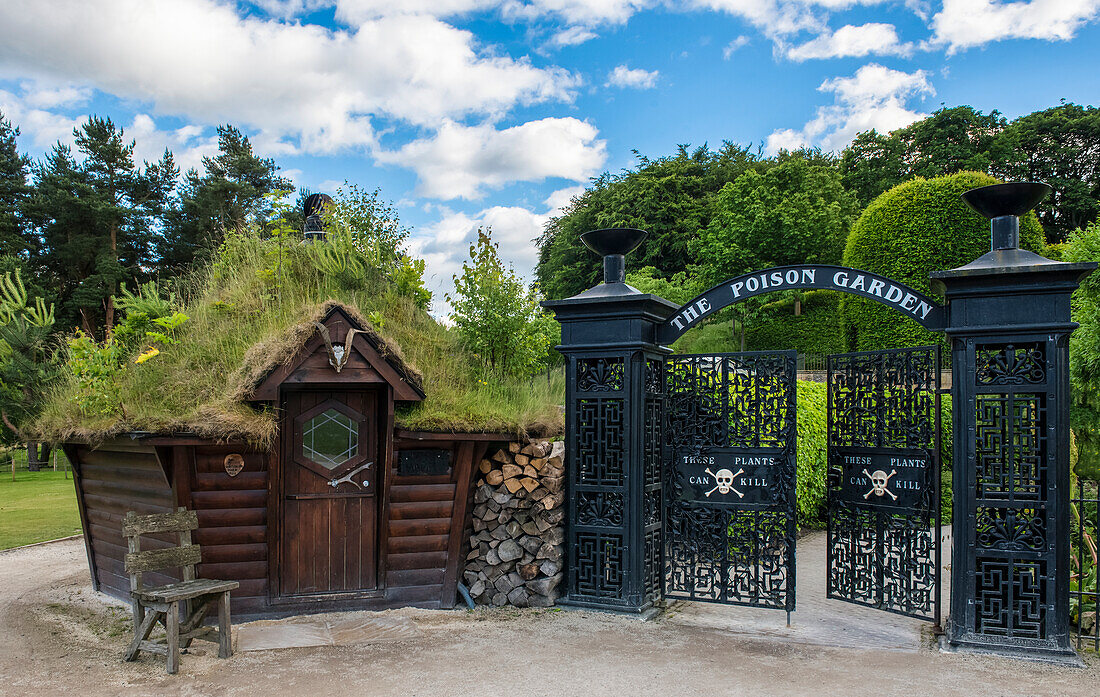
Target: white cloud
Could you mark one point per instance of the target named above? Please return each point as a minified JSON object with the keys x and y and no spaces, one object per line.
{"x":188,"y":145}
{"x":571,"y":36}
{"x":733,"y":46}
{"x":38,"y":127}
{"x":589,"y":13}
{"x":634,"y":78}
{"x":47,"y":96}
{"x":852,"y":40}
{"x":874,"y":97}
{"x":962,"y":24}
{"x":312,"y":89}
{"x":561,"y":198}
{"x":354,"y":12}
{"x":287,"y":9}
{"x":461,"y":161}
{"x":445,"y":244}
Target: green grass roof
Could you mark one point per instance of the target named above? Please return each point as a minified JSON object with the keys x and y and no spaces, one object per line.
{"x":249,"y":310}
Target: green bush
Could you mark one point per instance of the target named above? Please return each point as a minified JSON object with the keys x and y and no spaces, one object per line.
{"x":816,"y":330}
{"x":812,"y":464}
{"x":908,"y":232}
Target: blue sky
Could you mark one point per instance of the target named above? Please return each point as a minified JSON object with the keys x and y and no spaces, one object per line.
{"x":494,"y":112}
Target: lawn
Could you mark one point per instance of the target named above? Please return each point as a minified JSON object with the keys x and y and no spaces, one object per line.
{"x":37,"y":506}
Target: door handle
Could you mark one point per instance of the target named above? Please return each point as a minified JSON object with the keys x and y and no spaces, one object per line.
{"x":348,"y":478}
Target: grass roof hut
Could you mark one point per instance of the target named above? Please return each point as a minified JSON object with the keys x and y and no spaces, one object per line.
{"x":300,"y":398}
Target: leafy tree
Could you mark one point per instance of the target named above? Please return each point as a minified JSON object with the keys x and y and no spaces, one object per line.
{"x":951,"y":140}
{"x":498,"y":318}
{"x":1084,"y":349}
{"x":669,"y":197}
{"x":679,"y":288}
{"x":14,"y":236}
{"x":1061,"y":147}
{"x":230,"y":192}
{"x":914,"y":229}
{"x":98,"y":220}
{"x":792,"y":213}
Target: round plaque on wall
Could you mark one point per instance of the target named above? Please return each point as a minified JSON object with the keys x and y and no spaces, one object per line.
{"x":234,"y":463}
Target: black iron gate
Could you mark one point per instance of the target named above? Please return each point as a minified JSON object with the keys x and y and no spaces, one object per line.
{"x":884,"y":486}
{"x":729,"y":462}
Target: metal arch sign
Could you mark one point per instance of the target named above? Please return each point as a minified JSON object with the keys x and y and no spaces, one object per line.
{"x":912,"y":303}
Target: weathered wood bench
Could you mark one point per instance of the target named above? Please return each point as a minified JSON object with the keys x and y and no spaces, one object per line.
{"x":195,"y":596}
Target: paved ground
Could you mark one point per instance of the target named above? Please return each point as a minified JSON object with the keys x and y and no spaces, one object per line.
{"x":59,"y":638}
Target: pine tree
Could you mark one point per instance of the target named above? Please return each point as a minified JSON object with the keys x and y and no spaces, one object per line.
{"x":229,"y":194}
{"x":14,"y":239}
{"x":98,"y":218}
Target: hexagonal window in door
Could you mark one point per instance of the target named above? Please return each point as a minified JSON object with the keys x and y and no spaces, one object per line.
{"x":330,"y":439}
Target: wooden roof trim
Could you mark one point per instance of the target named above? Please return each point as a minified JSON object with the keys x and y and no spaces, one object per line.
{"x":362,"y":343}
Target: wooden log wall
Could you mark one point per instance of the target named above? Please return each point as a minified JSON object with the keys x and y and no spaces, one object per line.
{"x":426,"y":518}
{"x":233,"y":517}
{"x":111,"y":480}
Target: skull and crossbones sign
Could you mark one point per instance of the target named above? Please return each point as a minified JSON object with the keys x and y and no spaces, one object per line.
{"x":723,"y":480}
{"x":879,"y":480}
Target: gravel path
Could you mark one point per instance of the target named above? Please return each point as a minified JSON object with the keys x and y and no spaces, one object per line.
{"x":60,"y":638}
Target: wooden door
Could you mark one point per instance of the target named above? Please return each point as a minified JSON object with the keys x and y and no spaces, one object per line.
{"x":330,"y":464}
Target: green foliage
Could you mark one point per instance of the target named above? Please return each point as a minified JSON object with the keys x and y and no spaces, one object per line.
{"x":1058,"y":146}
{"x":679,"y":288}
{"x":94,"y":367}
{"x":232,"y":191}
{"x":195,"y":385}
{"x":498,"y":318}
{"x":1084,"y":349}
{"x":15,"y":237}
{"x":816,"y":330}
{"x":670,"y":197}
{"x":28,"y":357}
{"x":812,"y":463}
{"x":795,"y":212}
{"x":910,"y":231}
{"x":97,"y":216}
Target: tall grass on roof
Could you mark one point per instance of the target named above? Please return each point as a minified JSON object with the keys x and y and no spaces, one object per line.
{"x":257,"y":299}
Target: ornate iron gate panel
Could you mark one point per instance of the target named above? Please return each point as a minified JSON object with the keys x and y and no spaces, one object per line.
{"x":884,"y":486}
{"x":729,"y":461}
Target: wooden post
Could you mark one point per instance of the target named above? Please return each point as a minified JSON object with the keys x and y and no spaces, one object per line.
{"x":172,"y":626}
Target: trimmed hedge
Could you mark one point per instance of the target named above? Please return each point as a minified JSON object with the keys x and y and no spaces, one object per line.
{"x":908,"y":232}
{"x":817,"y":330}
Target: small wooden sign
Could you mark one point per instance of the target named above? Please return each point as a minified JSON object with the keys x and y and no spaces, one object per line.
{"x":234,"y":463}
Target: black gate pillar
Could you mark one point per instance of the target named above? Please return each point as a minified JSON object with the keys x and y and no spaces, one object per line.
{"x":1009,"y":326}
{"x":614,"y":393}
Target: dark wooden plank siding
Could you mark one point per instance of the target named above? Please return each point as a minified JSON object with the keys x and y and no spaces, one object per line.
{"x":115,"y":478}
{"x":233,"y":520}
{"x":419,"y":535}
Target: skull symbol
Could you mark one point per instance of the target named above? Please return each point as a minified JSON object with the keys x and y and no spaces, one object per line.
{"x":723,"y":480}
{"x":879,"y":481}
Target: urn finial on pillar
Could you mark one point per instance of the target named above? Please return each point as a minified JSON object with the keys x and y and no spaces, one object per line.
{"x":1003,"y":204}
{"x":613,"y":244}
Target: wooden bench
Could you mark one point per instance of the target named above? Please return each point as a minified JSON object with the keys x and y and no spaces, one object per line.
{"x":195,"y":596}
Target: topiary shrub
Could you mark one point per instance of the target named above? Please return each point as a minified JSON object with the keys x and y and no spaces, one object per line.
{"x":908,"y":232}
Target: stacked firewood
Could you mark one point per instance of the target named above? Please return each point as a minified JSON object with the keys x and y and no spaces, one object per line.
{"x":516,"y":547}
